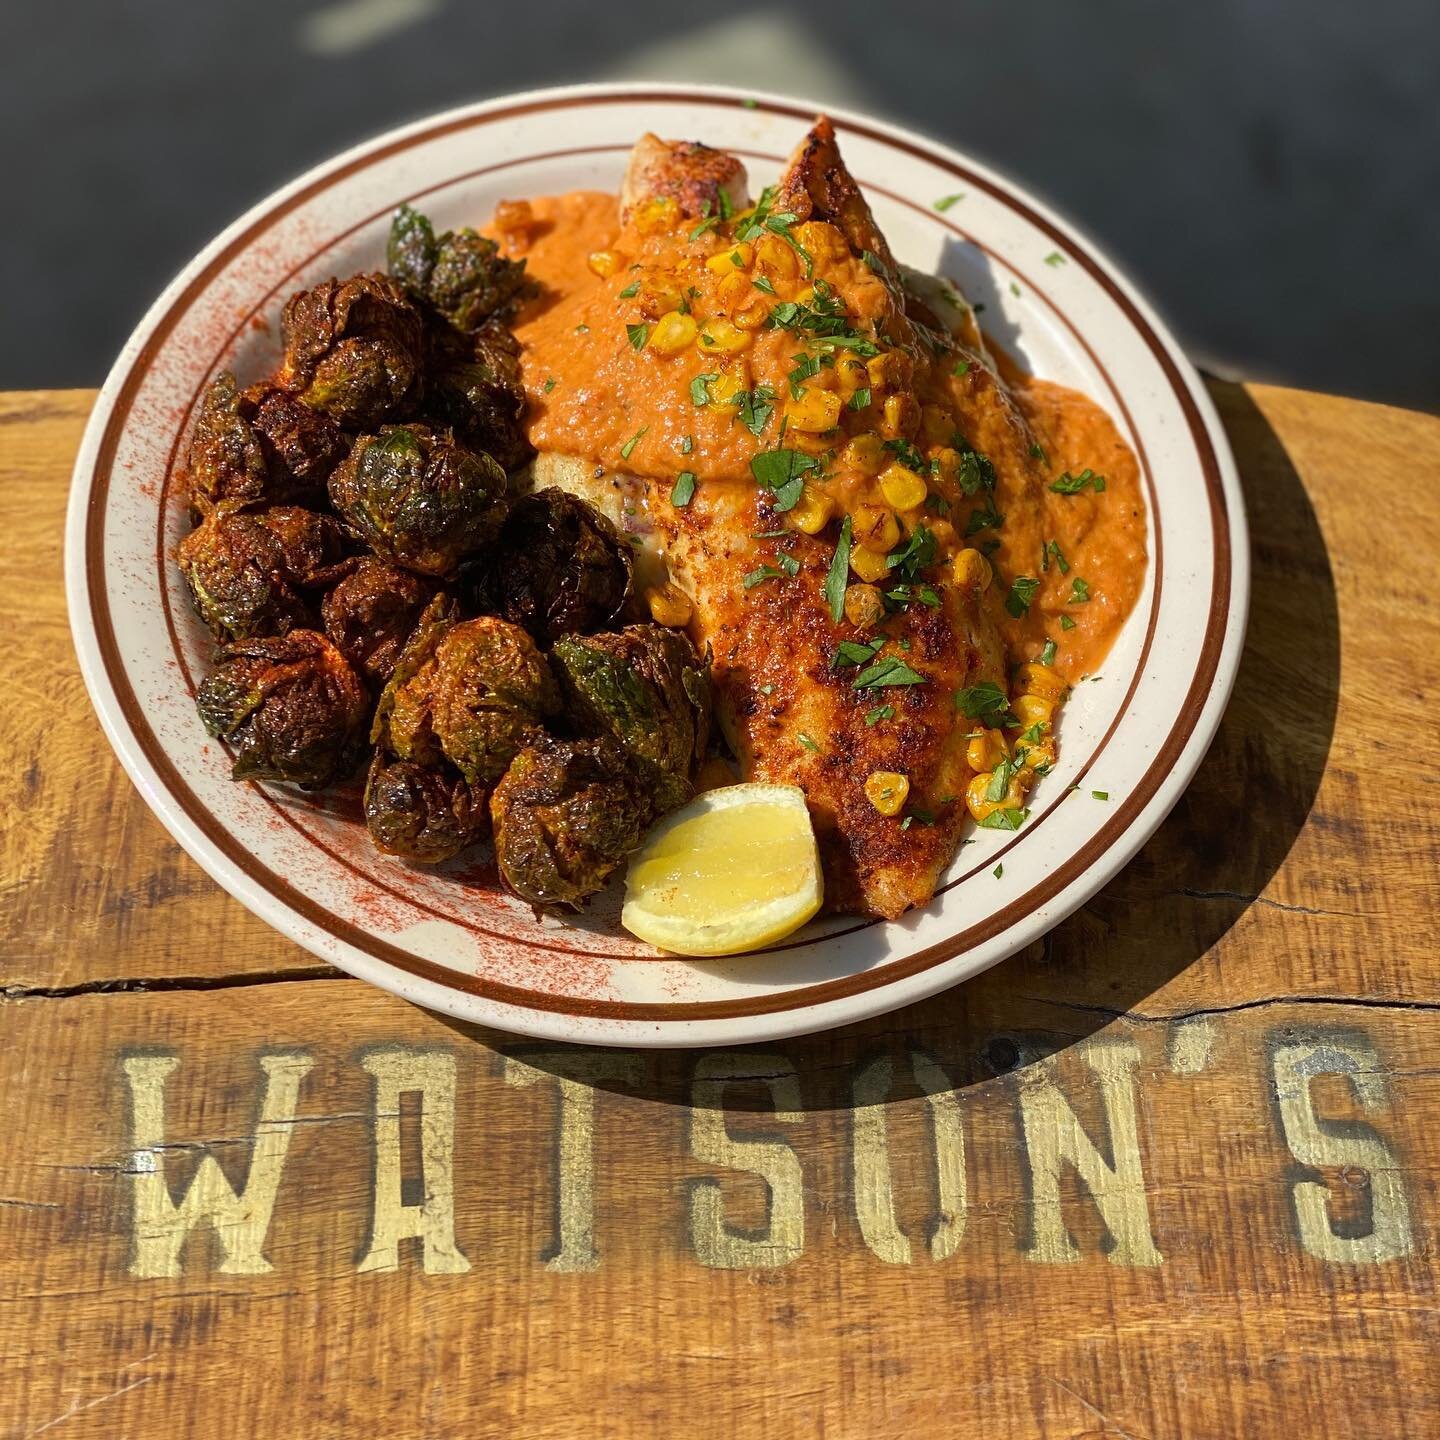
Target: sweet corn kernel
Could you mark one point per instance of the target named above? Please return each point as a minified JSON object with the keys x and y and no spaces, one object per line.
{"x":864,"y":453}
{"x":814,"y":411}
{"x":944,"y":532}
{"x":1036,"y":756}
{"x":1032,"y":710}
{"x":673,"y":332}
{"x":720,"y":337}
{"x":669,"y":605}
{"x":891,"y":370}
{"x":850,"y":375}
{"x":936,"y":425}
{"x":822,"y":240}
{"x":732,"y":292}
{"x":864,"y":606}
{"x":605,"y":263}
{"x":811,"y":513}
{"x":902,"y":487}
{"x":971,"y":570}
{"x":657,"y":297}
{"x":986,"y":750}
{"x":887,"y":791}
{"x":752,"y":316}
{"x":728,"y":386}
{"x":654,"y":217}
{"x":869,"y":565}
{"x":875,"y":528}
{"x":1036,"y":679}
{"x":774,"y":255}
{"x":805,"y":295}
{"x":902,"y":416}
{"x":734,"y":257}
{"x":980,"y":807}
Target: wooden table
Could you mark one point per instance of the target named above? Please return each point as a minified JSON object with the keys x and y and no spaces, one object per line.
{"x":1172,"y":1172}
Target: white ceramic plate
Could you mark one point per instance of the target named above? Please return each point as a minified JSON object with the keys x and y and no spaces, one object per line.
{"x":450,"y":939}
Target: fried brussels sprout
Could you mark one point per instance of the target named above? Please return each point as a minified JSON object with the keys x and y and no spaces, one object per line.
{"x":462,"y":274}
{"x":372,"y":612}
{"x":474,"y":387}
{"x":426,"y":813}
{"x":565,"y":814}
{"x":259,"y":445}
{"x":563,"y":567}
{"x":250,"y":571}
{"x":416,"y":497}
{"x":291,"y":707}
{"x":353,"y":349}
{"x":473,"y":692}
{"x":648,"y":690}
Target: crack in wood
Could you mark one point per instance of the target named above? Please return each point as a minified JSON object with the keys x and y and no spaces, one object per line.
{"x":129,"y":985}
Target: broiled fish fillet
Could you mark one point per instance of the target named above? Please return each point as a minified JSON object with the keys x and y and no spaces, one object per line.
{"x":792,"y":713}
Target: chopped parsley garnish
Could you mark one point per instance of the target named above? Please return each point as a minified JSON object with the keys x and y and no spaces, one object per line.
{"x":860,"y":399}
{"x":1069,"y":484}
{"x":710,"y":218}
{"x":946,"y":201}
{"x":999,"y":870}
{"x":1003,"y":820}
{"x":875,"y":264}
{"x":1034,"y":734}
{"x":889,"y":671}
{"x":582,"y":329}
{"x":806,"y":741}
{"x":755,"y":408}
{"x":637,"y":335}
{"x":684,"y":490}
{"x":836,"y":576}
{"x":879,"y":713}
{"x":1051,"y":550}
{"x":778,"y":222}
{"x":1067,"y":622}
{"x":783,"y":471}
{"x":751,"y":104}
{"x":631,"y":290}
{"x":917,"y":552}
{"x":1000,"y":778}
{"x":824,"y":319}
{"x":1101,"y":794}
{"x":700,"y":389}
{"x":632,"y":442}
{"x":1022,"y":592}
{"x":761,"y":282}
{"x":984,"y":702}
{"x":761,"y":573}
{"x":789,"y":564}
{"x":907,"y":455}
{"x":1054,"y":258}
{"x":1037,"y":452}
{"x":687,"y":444}
{"x":961,"y":366}
{"x":1079,"y":592}
{"x":550,"y":383}
{"x":1047,"y":655}
{"x":768,"y":534}
{"x":1014,"y":289}
{"x":856,"y":652}
{"x":976,"y":471}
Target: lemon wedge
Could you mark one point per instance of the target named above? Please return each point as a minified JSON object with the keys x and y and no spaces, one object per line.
{"x":733,"y":870}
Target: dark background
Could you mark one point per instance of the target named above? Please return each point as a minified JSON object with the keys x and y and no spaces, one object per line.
{"x":1269,"y":170}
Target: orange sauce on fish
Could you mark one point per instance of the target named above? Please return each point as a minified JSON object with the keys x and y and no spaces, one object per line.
{"x":600,"y":388}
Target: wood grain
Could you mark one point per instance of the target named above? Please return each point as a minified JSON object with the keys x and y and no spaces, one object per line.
{"x":1172,"y":1172}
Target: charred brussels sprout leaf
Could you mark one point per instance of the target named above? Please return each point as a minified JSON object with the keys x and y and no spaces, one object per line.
{"x":565,"y":814}
{"x":422,"y":812}
{"x":227,"y":460}
{"x":372,"y":612}
{"x":353,"y":348}
{"x":291,"y":707}
{"x":461,"y":273}
{"x":562,"y":567}
{"x":249,"y":570}
{"x":418,"y":498}
{"x":474,"y":387}
{"x":648,"y":689}
{"x":474,"y":692}
{"x":301,"y":445}
{"x":410,"y":251}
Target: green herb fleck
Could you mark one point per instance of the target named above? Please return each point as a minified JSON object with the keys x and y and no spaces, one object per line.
{"x":879,"y":713}
{"x":1054,"y":258}
{"x":1022,"y":592}
{"x":807,"y":742}
{"x":1079,"y":592}
{"x":700,"y":389}
{"x":550,"y":383}
{"x":1067,"y":622}
{"x":860,"y":399}
{"x":1004,"y":820}
{"x":637,"y":335}
{"x":687,"y":444}
{"x":1069,"y":484}
{"x":783,"y":472}
{"x":835,"y":577}
{"x":946,"y":201}
{"x":889,"y":671}
{"x":632,"y":442}
{"x":961,"y":368}
{"x":755,"y":407}
{"x":985,"y":702}
{"x":631,"y":290}
{"x":1101,"y":794}
{"x":684,"y":490}
{"x":1047,"y":655}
